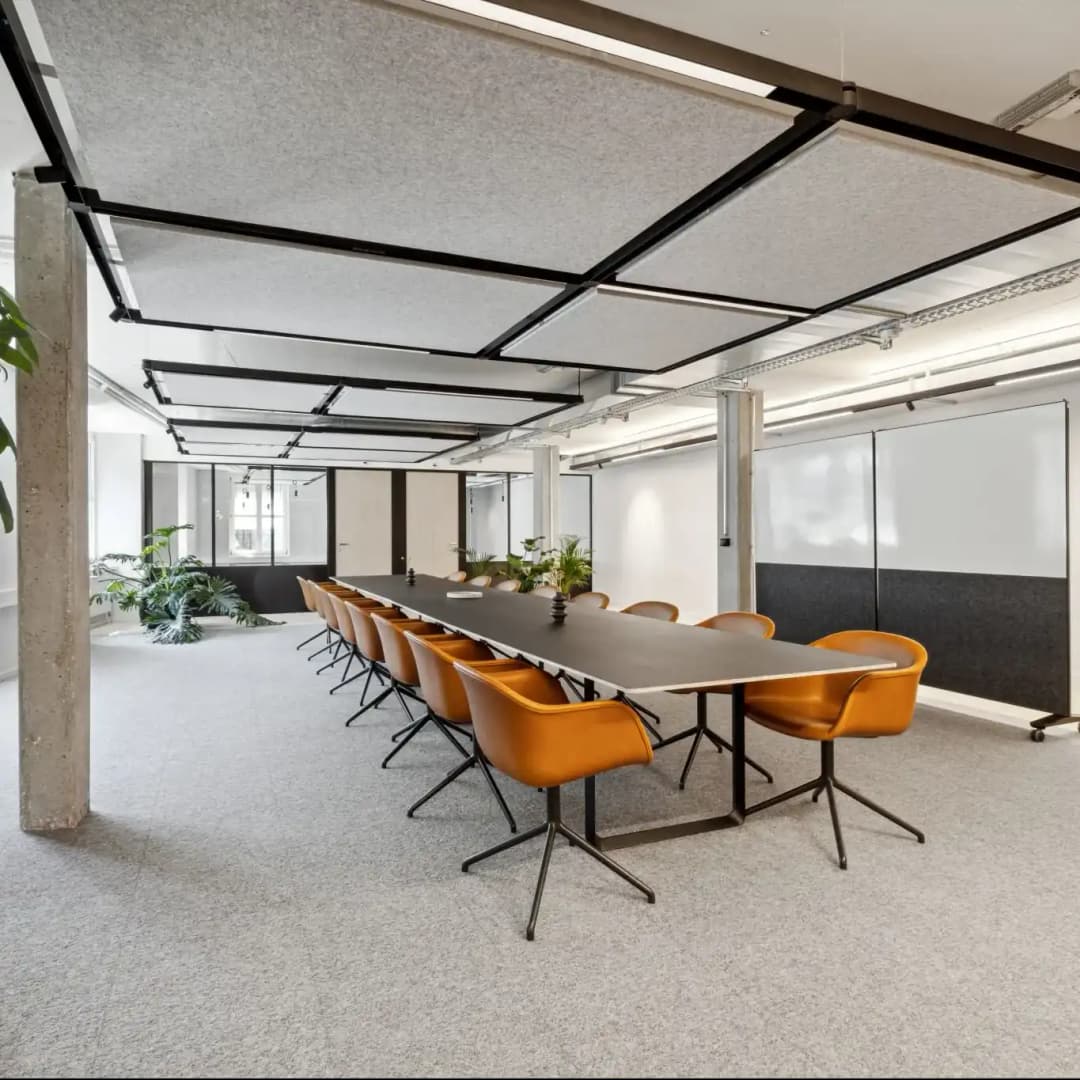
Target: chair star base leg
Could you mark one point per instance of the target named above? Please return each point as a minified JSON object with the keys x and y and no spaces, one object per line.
{"x":552,"y":828}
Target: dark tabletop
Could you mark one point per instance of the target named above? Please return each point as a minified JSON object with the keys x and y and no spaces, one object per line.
{"x":629,"y":652}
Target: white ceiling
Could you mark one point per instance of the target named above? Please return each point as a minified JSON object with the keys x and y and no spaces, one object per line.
{"x":974,"y":57}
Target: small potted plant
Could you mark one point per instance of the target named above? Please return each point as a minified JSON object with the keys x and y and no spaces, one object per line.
{"x":571,"y":566}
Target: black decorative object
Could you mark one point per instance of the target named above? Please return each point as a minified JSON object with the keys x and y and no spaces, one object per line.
{"x":558,"y":607}
{"x":410,"y":577}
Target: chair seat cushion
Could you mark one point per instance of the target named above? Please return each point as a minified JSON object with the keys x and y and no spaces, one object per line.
{"x":804,"y":718}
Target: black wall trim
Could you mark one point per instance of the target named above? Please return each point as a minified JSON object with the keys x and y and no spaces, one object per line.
{"x":398,"y":540}
{"x":463,"y":518}
{"x":273,"y":589}
{"x":997,"y":636}
{"x":808,"y":602}
{"x":331,"y":522}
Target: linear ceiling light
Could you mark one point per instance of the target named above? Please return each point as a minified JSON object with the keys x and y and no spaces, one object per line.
{"x":601,"y":43}
{"x":780,"y":425}
{"x":699,"y":301}
{"x":1006,"y":379}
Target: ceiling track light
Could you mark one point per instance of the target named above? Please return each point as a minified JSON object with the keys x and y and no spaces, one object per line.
{"x":1055,"y":101}
{"x":699,"y":301}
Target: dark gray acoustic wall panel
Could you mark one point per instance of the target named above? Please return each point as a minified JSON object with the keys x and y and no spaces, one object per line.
{"x":999,"y":636}
{"x":808,"y":602}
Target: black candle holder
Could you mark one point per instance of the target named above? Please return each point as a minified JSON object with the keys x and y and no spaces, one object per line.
{"x":558,"y":607}
{"x":410,"y":577}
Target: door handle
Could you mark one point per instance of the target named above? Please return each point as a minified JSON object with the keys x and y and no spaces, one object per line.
{"x":343,"y":543}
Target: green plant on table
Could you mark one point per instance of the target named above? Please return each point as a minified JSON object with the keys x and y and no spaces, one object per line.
{"x":169,"y":593}
{"x":571,"y":564}
{"x":531,"y":568}
{"x":16,"y":350}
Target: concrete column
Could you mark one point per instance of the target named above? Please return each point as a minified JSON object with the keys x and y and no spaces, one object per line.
{"x":54,"y":586}
{"x":546,"y":494}
{"x":738,"y":417}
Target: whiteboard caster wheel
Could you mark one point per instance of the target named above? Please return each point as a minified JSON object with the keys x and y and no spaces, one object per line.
{"x":1038,"y":735}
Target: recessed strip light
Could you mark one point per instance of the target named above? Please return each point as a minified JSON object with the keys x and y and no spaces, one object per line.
{"x":1006,"y":379}
{"x":698,"y":301}
{"x":780,"y":425}
{"x":601,"y":43}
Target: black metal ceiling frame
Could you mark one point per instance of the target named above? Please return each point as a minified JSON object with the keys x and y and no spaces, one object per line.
{"x":455,"y":435}
{"x":824,"y":102}
{"x":338,"y":383}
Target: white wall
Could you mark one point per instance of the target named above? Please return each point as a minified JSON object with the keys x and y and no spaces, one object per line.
{"x":487,"y":522}
{"x":118,"y":509}
{"x":655,"y":531}
{"x":521,"y":512}
{"x":1035,"y":393}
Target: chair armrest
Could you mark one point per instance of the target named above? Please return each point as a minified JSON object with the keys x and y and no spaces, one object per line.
{"x":878,"y":703}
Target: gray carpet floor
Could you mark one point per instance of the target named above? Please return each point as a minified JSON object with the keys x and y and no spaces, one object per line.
{"x":248,"y":898}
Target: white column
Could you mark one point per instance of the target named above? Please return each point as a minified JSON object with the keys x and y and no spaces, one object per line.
{"x":546,"y":494}
{"x":54,"y":580}
{"x":737,"y":418}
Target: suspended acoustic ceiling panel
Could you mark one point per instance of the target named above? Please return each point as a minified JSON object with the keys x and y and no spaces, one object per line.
{"x":211,"y":279}
{"x":464,"y":408}
{"x":407,"y":457}
{"x":613,"y":330}
{"x":345,"y":440}
{"x":388,"y":125}
{"x":213,"y":391}
{"x":230,"y":449}
{"x":847,"y":213}
{"x":249,"y":436}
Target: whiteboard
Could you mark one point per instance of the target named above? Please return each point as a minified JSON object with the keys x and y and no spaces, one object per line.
{"x":980,"y":494}
{"x":814,"y":503}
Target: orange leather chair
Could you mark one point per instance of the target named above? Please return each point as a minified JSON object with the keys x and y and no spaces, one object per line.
{"x":340,"y":605}
{"x":481,"y":579}
{"x":592,"y":599}
{"x":370,"y":648}
{"x":306,"y":588}
{"x":446,"y":700}
{"x":662,"y":611}
{"x":509,"y":585}
{"x":824,"y":708}
{"x":321,"y":593}
{"x":405,"y":679}
{"x":736,"y":622}
{"x":527,"y":730}
{"x":653,"y":609}
{"x":457,"y":575}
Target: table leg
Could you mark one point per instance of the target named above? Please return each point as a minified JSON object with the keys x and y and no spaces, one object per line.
{"x":588,"y":694}
{"x":738,"y":756}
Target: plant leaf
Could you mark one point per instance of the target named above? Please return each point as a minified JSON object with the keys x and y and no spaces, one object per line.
{"x":6,"y":441}
{"x":7,"y":518}
{"x":17,"y":358}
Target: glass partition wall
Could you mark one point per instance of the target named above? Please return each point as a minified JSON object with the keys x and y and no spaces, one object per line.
{"x":242,"y":515}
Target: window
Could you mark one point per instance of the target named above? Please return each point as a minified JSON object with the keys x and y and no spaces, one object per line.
{"x":258,"y":519}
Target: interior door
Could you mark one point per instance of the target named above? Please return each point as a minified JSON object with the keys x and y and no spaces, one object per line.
{"x":431,"y":522}
{"x":363,"y":521}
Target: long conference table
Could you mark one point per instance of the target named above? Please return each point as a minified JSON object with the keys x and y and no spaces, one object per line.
{"x":632,"y":654}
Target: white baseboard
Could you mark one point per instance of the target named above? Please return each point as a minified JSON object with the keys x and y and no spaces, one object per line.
{"x":980,"y":707}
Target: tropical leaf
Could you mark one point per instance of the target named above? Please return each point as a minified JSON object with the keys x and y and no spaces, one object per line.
{"x":17,"y":358}
{"x":7,"y":518}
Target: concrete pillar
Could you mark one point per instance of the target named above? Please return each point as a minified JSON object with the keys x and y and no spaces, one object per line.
{"x":546,"y":494}
{"x":54,"y":586}
{"x":738,"y":417}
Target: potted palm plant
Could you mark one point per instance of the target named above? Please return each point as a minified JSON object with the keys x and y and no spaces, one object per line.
{"x":571,"y":566}
{"x":16,"y":350}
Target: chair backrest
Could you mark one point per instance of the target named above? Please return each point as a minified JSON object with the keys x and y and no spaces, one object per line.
{"x":549,"y":591}
{"x":526,"y":728}
{"x":878,"y":702}
{"x":367,"y":636}
{"x":509,"y":585}
{"x":327,"y":609}
{"x":305,"y":592}
{"x":457,"y":575}
{"x":750,"y":623}
{"x":480,"y":579}
{"x":653,"y":609}
{"x":439,"y":681}
{"x":342,"y":622}
{"x":396,"y":652}
{"x":592,"y":599}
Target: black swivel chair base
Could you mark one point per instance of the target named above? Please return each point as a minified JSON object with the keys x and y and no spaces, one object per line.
{"x":828,"y":783}
{"x":701,"y":730}
{"x":475,"y":758}
{"x":416,"y":727}
{"x":553,"y":827}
